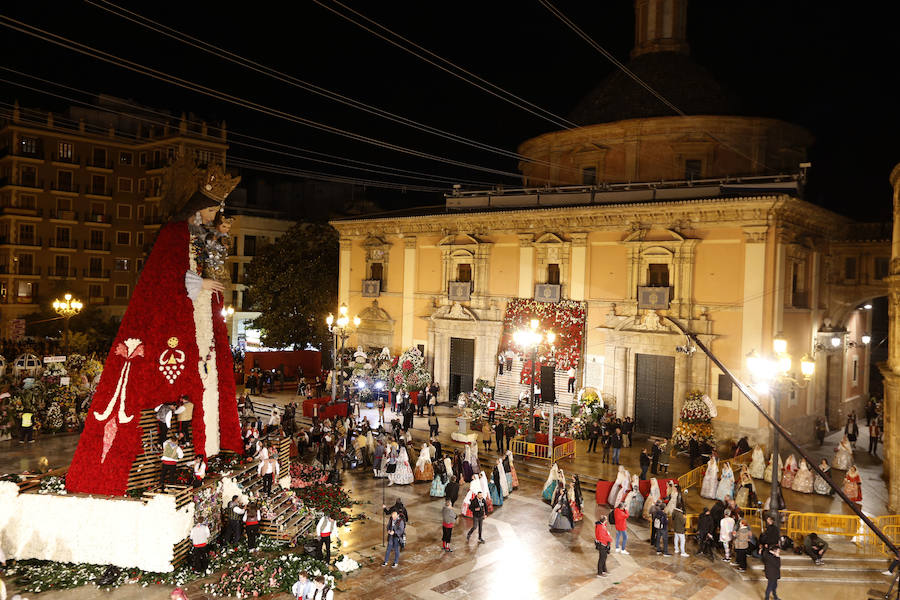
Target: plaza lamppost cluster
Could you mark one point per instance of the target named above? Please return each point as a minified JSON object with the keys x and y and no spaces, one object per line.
{"x":532,"y":338}
{"x":67,"y":308}
{"x":339,"y":328}
{"x":773,"y":375}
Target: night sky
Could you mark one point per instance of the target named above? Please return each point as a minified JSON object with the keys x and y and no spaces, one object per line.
{"x":812,"y":63}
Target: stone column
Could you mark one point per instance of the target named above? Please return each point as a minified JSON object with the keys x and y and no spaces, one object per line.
{"x":891,"y":370}
{"x":526,"y":265}
{"x":752,"y":315}
{"x":407,"y":321}
{"x":344,"y":273}
{"x":579,"y":266}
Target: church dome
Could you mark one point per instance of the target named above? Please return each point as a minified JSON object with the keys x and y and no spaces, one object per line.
{"x":673,"y":75}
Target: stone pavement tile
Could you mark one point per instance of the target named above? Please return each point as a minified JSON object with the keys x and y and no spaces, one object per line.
{"x":446,"y":587}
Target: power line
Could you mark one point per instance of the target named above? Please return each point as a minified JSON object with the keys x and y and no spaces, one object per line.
{"x":469,"y":77}
{"x":220,"y":95}
{"x":384,"y":169}
{"x":622,"y":67}
{"x":232,"y":57}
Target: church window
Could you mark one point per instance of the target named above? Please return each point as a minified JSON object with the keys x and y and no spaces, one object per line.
{"x":464,"y":272}
{"x":589,"y":175}
{"x":693,"y":168}
{"x":376,"y":270}
{"x":553,"y":273}
{"x":658,"y":275}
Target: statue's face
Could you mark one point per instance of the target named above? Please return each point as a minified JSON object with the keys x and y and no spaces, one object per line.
{"x":208,"y":214}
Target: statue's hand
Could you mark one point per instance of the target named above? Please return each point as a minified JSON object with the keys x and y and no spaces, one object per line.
{"x":213,"y":285}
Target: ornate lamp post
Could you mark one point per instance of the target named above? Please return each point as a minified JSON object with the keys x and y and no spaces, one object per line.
{"x":67,"y":308}
{"x":339,"y":328}
{"x":532,"y":338}
{"x":773,"y":375}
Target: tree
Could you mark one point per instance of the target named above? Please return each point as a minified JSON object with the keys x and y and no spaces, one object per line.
{"x":293,"y":284}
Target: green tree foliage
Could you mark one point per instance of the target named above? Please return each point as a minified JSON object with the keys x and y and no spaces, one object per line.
{"x":92,"y":330}
{"x":293,"y":284}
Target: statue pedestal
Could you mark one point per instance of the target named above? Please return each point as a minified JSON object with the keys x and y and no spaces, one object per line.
{"x":462,"y":434}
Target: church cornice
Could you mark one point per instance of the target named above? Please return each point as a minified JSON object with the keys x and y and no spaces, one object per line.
{"x":700,"y":213}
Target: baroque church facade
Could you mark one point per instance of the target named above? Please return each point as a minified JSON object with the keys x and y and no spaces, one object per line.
{"x":708,"y":208}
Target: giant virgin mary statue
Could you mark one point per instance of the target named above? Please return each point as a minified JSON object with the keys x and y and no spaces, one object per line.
{"x":172,"y":342}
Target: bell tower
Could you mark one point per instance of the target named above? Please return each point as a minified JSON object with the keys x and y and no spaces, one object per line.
{"x":660,"y":26}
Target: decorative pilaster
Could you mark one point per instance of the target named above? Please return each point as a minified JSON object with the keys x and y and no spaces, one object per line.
{"x":754,"y":303}
{"x":579,"y":265}
{"x":526,"y":265}
{"x":344,"y":271}
{"x":409,"y":293}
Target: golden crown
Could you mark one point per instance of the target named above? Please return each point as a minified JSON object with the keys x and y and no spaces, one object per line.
{"x":216,"y":184}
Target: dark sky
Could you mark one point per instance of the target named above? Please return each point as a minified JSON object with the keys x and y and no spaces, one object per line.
{"x":824,"y":67}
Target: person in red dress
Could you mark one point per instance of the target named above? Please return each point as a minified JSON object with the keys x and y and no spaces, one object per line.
{"x":172,"y":342}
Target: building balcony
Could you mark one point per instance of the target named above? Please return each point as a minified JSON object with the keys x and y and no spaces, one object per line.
{"x":95,"y":246}
{"x":98,"y":300}
{"x":654,"y":297}
{"x":70,"y":188}
{"x":106,"y":165}
{"x":53,"y":272}
{"x":64,"y":215}
{"x":30,"y":242}
{"x":153,"y":220}
{"x":95,"y":273}
{"x":68,"y":160}
{"x":19,"y":153}
{"x":459,"y":291}
{"x":62,"y":244}
{"x":371,"y":288}
{"x":27,"y":270}
{"x":105,"y":192}
{"x":547,"y":292}
{"x":162,"y":163}
{"x":21,"y":211}
{"x":26,"y":182}
{"x":98,"y":218}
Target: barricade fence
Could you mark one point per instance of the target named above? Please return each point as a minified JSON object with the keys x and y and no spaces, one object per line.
{"x":534,"y":450}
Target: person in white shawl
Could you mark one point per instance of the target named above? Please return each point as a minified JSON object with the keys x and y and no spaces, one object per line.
{"x":674,"y":494}
{"x":726,"y":483}
{"x":623,"y":491}
{"x":710,"y":479}
{"x":843,"y":455}
{"x":767,"y":475}
{"x":634,"y":502}
{"x":404,"y":474}
{"x":448,"y":467}
{"x":757,"y":463}
{"x":653,"y":497}
{"x":504,"y":485}
{"x":621,"y":480}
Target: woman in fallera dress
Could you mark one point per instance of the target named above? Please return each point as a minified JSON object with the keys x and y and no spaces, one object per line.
{"x":652,"y":498}
{"x":757,"y":463}
{"x":621,"y":480}
{"x":675,"y":499}
{"x":404,"y":474}
{"x":503,"y":482}
{"x":494,"y":488}
{"x":424,"y":469}
{"x":438,"y":485}
{"x":623,"y":491}
{"x":820,"y":486}
{"x":726,"y":483}
{"x":853,"y":484}
{"x":635,"y":499}
{"x":561,"y":515}
{"x":803,"y":480}
{"x":746,"y":494}
{"x":551,"y":483}
{"x":843,"y":455}
{"x":574,"y":503}
{"x":768,"y":474}
{"x":510,"y":466}
{"x":790,"y":471}
{"x":710,"y":479}
{"x":486,"y":490}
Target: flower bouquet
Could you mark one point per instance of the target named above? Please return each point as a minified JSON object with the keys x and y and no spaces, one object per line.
{"x":695,"y":418}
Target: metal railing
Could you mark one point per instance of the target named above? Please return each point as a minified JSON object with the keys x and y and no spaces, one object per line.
{"x":542,"y":451}
{"x":695,"y":476}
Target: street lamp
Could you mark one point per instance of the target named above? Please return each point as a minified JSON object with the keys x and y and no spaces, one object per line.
{"x":532,"y":338}
{"x":773,"y":375}
{"x":339,"y":328}
{"x":67,"y":308}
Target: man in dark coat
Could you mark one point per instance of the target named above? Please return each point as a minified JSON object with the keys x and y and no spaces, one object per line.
{"x":769,"y":538}
{"x":705,"y":538}
{"x":499,"y":430}
{"x":717,"y":512}
{"x":772,"y":568}
{"x":693,"y":449}
{"x":593,"y":436}
{"x":478,"y":507}
{"x":510,"y":434}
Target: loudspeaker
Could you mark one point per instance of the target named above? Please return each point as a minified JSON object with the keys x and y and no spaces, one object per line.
{"x":548,"y":384}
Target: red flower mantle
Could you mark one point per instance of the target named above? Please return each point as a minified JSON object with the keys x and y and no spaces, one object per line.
{"x":159,"y":311}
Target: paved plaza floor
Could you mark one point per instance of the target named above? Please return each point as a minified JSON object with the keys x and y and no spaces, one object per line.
{"x":521,"y":557}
